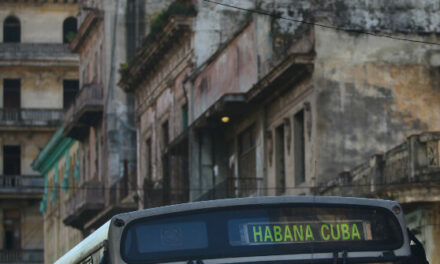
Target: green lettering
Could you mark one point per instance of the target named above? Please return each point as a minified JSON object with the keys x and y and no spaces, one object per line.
{"x":298,"y":232}
{"x":257,"y":234}
{"x":277,"y":233}
{"x":268,"y":234}
{"x":323,"y":233}
{"x":332,"y":231}
{"x":309,"y":233}
{"x":345,"y":229}
{"x":287,"y":234}
{"x":355,"y":232}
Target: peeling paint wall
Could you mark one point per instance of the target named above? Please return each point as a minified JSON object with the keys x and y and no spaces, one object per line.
{"x":40,"y":87}
{"x":30,"y":144}
{"x":215,"y":25}
{"x":371,"y":93}
{"x":40,"y":23}
{"x":235,"y":70}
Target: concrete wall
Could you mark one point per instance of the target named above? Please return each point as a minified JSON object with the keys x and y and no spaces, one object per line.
{"x":40,"y":87}
{"x":31,"y":223}
{"x":40,"y":23}
{"x":235,"y":70}
{"x":60,"y":238}
{"x":30,"y":143}
{"x":371,"y":93}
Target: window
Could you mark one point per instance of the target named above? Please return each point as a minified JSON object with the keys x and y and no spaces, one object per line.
{"x":184,"y":116}
{"x":165,"y":134}
{"x":299,"y":147}
{"x":11,"y":226}
{"x":247,"y":162}
{"x":11,"y":93}
{"x":11,"y":160}
{"x":70,"y":89}
{"x":69,"y":29}
{"x":11,"y":30}
{"x":280,"y":160}
{"x":149,"y":153}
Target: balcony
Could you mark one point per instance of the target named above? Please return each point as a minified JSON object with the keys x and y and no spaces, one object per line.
{"x":25,"y":186}
{"x":35,"y":54}
{"x":406,"y":173}
{"x":22,"y":256}
{"x":28,"y":117}
{"x":84,"y":204}
{"x":245,"y":186}
{"x":84,"y":112}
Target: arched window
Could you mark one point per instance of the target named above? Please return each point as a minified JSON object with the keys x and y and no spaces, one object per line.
{"x":11,"y":30}
{"x":69,"y":29}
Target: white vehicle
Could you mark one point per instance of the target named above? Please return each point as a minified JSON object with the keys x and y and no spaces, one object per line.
{"x":283,"y":229}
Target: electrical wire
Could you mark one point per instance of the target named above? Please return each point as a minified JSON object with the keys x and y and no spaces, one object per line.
{"x":353,"y":185}
{"x":276,"y":16}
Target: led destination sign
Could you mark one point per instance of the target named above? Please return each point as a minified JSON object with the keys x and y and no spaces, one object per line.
{"x":294,"y":232}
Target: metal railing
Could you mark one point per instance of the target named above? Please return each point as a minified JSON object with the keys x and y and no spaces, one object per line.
{"x":24,"y":183}
{"x":36,"y":51}
{"x":245,"y":186}
{"x":22,"y":256}
{"x":31,"y":117}
{"x":90,"y":95}
{"x":88,"y":194}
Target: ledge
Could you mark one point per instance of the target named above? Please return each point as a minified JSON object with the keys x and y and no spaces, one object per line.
{"x":90,"y":21}
{"x":24,"y":53}
{"x":153,"y":49}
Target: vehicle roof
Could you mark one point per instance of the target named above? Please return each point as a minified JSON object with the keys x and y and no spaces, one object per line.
{"x":86,"y":247}
{"x":261,"y":200}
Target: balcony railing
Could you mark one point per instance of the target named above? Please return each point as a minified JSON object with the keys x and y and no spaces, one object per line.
{"x":415,"y":162}
{"x":10,"y":52}
{"x":83,"y":204}
{"x":245,"y":186}
{"x":31,"y":117}
{"x":22,"y":256}
{"x":21,"y":184}
{"x":84,"y":112}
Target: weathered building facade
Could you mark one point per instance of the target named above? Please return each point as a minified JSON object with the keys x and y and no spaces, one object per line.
{"x":59,"y":162}
{"x":277,"y":106}
{"x":90,"y":163}
{"x":38,"y":79}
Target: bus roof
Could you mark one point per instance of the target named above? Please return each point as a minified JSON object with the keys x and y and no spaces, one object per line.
{"x":259,"y":200}
{"x":86,"y":247}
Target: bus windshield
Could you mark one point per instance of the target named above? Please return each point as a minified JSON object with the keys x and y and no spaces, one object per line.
{"x":261,"y":230}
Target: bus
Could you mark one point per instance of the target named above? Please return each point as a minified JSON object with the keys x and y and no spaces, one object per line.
{"x":282,"y":229}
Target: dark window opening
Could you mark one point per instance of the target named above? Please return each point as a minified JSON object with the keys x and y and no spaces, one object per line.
{"x":247,"y":171}
{"x":70,"y":89}
{"x":185,"y":116}
{"x":11,"y":93}
{"x":165,"y":134}
{"x":11,"y":225}
{"x":69,"y":29}
{"x":299,"y":147}
{"x":149,"y":152}
{"x":280,"y":160}
{"x":11,"y":160}
{"x":11,"y":30}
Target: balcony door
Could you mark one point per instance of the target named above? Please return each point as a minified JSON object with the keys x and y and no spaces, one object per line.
{"x":11,"y":226}
{"x":11,"y":160}
{"x":11,"y":93}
